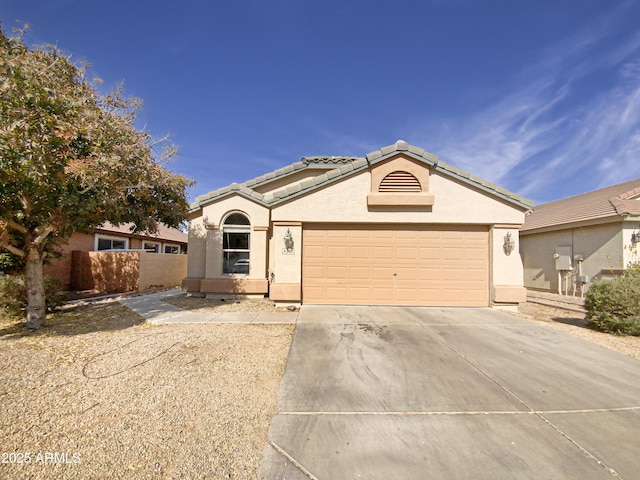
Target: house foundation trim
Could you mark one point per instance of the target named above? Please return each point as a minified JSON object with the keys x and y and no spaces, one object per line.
{"x":236,"y":286}
{"x":509,"y":294}
{"x":191,"y":284}
{"x":285,"y":292}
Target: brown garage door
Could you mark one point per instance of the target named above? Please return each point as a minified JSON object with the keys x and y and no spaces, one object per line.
{"x":396,"y":265}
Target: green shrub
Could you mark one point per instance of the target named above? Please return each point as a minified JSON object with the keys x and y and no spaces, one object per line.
{"x":614,"y":306}
{"x":10,"y":263}
{"x":13,"y":293}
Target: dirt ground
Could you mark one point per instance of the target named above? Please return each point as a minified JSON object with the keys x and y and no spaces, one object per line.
{"x":575,"y":324}
{"x":99,"y":393}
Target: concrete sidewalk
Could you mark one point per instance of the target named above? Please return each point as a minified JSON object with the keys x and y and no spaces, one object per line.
{"x":450,"y":393}
{"x":152,"y":307}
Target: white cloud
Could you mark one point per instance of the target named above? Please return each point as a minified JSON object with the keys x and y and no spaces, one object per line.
{"x":569,"y":124}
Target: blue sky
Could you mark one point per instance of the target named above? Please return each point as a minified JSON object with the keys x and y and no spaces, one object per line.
{"x":541,"y":97}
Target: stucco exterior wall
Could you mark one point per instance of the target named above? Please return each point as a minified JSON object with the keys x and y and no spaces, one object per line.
{"x":506,"y":269}
{"x":106,"y":272}
{"x":346,"y":202}
{"x":196,"y":267}
{"x":161,"y":270}
{"x":60,"y":268}
{"x":286,"y":264}
{"x":631,"y":251}
{"x":600,"y":245}
{"x":206,"y":242}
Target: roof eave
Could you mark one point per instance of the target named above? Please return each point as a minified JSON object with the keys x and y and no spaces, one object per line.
{"x":569,"y":225}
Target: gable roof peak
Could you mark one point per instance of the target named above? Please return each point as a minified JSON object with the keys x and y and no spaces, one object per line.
{"x":337,"y":167}
{"x":328,"y":160}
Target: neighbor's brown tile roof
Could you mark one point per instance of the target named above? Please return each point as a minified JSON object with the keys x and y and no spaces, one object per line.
{"x":616,"y":200}
{"x":164,"y":233}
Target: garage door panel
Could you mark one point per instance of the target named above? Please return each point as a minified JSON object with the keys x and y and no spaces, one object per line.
{"x":384,"y":295}
{"x":381,"y":253}
{"x":429,"y":253}
{"x":314,"y":251}
{"x":407,"y":295}
{"x":411,"y":265}
{"x":340,"y":273}
{"x":382,"y":273}
{"x":457,"y":275}
{"x":336,"y":294}
{"x":360,"y":273}
{"x":360,"y":252}
{"x":407,"y":253}
{"x":430,"y":274}
{"x":406,"y":273}
{"x":359,"y":293}
{"x":333,"y":234}
{"x":314,"y":271}
{"x":476,"y":276}
{"x":380,"y":234}
{"x":337,"y":251}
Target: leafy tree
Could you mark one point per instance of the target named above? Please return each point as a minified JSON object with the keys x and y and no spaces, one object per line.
{"x":71,"y":159}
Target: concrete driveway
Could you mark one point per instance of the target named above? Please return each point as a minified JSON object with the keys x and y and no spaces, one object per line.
{"x":429,"y":393}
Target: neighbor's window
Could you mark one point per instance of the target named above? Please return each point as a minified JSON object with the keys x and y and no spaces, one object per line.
{"x":111,"y":243}
{"x":170,"y":248}
{"x":236,"y":231}
{"x":151,"y":247}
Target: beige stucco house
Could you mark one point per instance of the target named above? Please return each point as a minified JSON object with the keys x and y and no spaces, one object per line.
{"x":395,"y":227}
{"x":569,"y":243}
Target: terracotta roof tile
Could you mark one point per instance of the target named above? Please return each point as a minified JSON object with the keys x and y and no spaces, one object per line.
{"x":603,"y":203}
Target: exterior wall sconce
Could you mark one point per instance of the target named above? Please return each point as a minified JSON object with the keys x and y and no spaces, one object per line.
{"x":509,"y":244}
{"x":635,"y":237}
{"x":288,"y":244}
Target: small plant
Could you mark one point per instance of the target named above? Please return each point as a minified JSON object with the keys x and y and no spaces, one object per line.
{"x":13,"y":293}
{"x":614,"y":306}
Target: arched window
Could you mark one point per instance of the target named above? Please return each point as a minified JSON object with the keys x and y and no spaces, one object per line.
{"x":236,"y":232}
{"x":399,"y":181}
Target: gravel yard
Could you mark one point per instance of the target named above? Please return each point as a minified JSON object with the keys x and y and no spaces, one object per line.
{"x":575,"y":324}
{"x":123,"y":399}
{"x":99,"y":393}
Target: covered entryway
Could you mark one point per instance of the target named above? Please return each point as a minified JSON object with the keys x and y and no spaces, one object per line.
{"x":429,"y":265}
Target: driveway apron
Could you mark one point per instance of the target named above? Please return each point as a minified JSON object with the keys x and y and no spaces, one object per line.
{"x":456,"y":393}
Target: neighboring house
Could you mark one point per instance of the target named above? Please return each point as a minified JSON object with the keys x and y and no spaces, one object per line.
{"x":592,"y":235}
{"x":396,"y":227}
{"x":109,"y":238}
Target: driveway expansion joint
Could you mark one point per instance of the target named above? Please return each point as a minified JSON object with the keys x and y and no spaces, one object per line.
{"x":532,"y":411}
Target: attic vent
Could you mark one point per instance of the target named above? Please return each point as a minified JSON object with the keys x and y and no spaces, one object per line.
{"x":399,"y":182}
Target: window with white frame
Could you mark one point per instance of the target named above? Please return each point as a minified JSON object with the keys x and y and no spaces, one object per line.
{"x":236,"y":233}
{"x":151,"y":247}
{"x":104,"y":242}
{"x":171,"y":248}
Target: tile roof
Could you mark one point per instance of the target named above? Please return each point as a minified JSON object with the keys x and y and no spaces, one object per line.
{"x":343,"y":166}
{"x":164,"y":233}
{"x":609,"y":202}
